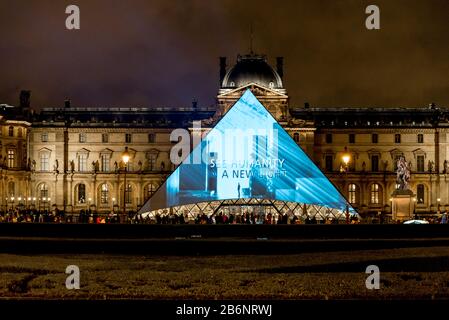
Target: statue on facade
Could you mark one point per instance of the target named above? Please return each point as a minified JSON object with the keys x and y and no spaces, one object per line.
{"x":56,"y":166}
{"x":33,"y":165}
{"x":115,"y":166}
{"x":446,"y":166}
{"x":363,"y":166}
{"x":72,"y":166}
{"x":403,"y":174}
{"x":430,"y":166}
{"x":385,"y":164}
{"x":139,"y":166}
{"x":162,"y":166}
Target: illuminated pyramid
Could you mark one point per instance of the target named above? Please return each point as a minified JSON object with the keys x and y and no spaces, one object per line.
{"x":247,"y":155}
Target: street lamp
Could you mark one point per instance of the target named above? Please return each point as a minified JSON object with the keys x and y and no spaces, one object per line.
{"x":438,"y":200}
{"x":346,"y":158}
{"x":414,"y":208}
{"x":125,"y":158}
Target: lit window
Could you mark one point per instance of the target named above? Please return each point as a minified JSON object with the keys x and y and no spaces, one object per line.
{"x":105,"y":162}
{"x":45,"y":161}
{"x":420,"y":193}
{"x":82,"y":162}
{"x":352,"y":193}
{"x":104,"y":197}
{"x":128,"y":194}
{"x":11,"y":158}
{"x":43,"y":192}
{"x":150,"y":189}
{"x":375,"y":193}
{"x":152,"y":161}
{"x":11,"y":188}
{"x":81,"y":194}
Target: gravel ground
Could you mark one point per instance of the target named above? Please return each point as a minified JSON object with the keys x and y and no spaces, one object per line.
{"x":412,"y":273}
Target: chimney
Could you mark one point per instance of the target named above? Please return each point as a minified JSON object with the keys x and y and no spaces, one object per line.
{"x":280,"y":66}
{"x":66,"y":103}
{"x":222,"y":69}
{"x":25,"y":98}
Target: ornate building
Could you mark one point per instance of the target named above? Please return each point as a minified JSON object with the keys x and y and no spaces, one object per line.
{"x":70,"y":158}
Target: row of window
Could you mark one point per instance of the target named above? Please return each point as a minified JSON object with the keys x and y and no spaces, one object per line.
{"x":80,"y":193}
{"x":104,"y":164}
{"x":329,"y":163}
{"x":374,"y":138}
{"x":376,"y":194}
{"x":11,"y":132}
{"x":82,"y":137}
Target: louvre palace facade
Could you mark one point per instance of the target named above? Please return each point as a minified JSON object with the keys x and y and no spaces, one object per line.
{"x":70,"y":157}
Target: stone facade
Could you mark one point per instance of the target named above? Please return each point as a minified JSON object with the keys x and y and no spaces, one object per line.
{"x":70,"y":157}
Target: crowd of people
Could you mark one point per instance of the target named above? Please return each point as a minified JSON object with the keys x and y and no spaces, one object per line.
{"x":16,"y":215}
{"x":245,"y":218}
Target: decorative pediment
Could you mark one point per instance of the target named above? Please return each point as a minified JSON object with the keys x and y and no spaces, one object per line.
{"x":396,"y":153}
{"x":419,"y":152}
{"x":82,"y":151}
{"x":151,"y":153}
{"x":373,"y":152}
{"x":106,"y":151}
{"x":44,"y":150}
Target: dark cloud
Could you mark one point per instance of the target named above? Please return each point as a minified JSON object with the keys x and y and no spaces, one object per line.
{"x":166,"y":52}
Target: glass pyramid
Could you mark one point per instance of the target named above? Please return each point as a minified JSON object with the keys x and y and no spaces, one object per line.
{"x":247,"y":155}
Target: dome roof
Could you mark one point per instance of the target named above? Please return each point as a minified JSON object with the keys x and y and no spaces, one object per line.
{"x":249,"y":69}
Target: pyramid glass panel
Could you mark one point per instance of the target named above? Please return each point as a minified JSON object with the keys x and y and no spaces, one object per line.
{"x":247,"y":155}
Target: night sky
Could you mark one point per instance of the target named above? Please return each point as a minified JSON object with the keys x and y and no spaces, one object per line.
{"x":160,"y":52}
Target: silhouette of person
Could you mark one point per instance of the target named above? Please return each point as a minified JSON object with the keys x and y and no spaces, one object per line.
{"x":238,"y":189}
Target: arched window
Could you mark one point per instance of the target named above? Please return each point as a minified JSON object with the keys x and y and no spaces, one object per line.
{"x":149,"y":190}
{"x":352,"y":193}
{"x":81,"y":193}
{"x":375,"y":193}
{"x":296,"y":137}
{"x":128,"y":194}
{"x":11,"y":188}
{"x":19,"y":132}
{"x":420,"y":193}
{"x":104,"y":193}
{"x":43,"y":192}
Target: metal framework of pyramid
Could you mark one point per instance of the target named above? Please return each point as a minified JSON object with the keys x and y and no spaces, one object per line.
{"x":248,"y":159}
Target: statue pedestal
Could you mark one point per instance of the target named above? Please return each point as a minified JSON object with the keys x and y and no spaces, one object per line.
{"x":402,"y":205}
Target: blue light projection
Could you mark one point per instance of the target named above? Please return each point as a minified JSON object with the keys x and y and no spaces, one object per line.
{"x":247,"y":155}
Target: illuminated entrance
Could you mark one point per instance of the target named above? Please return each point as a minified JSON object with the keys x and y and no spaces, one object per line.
{"x":248,"y":160}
